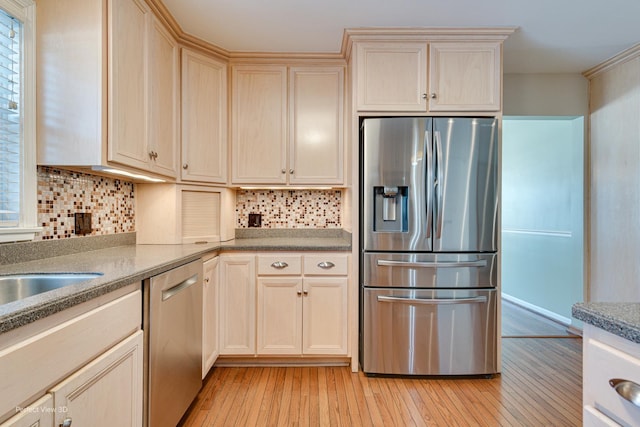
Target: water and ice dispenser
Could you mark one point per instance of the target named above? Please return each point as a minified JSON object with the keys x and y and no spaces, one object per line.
{"x":390,"y":209}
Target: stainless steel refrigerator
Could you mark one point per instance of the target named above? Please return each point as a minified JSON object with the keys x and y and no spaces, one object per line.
{"x":429,"y":240}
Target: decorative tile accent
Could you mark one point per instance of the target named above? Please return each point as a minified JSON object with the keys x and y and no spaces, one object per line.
{"x":290,"y":208}
{"x":61,"y":193}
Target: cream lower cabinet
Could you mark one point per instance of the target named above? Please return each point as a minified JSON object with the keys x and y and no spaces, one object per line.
{"x":107,"y":392}
{"x":237,"y":304}
{"x":211,"y":293}
{"x":38,"y":414}
{"x":611,"y":379}
{"x":297,"y":312}
{"x":85,"y":363}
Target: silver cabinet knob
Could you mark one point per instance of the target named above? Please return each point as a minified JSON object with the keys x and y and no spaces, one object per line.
{"x":305,"y":292}
{"x":66,"y":422}
{"x":299,"y":293}
{"x":326,"y":265}
{"x":206,"y":280}
{"x":279,"y":265}
{"x":433,"y":95}
{"x":424,"y":96}
{"x":291,"y":171}
{"x":284,"y":171}
{"x":185,"y":166}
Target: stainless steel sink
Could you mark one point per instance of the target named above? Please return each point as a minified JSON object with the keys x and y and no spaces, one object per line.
{"x":18,"y":286}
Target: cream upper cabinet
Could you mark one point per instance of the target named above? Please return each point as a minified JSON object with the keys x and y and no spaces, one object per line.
{"x":211,"y":293}
{"x":464,"y":76}
{"x":204,"y":118}
{"x":259,"y":124}
{"x":107,"y":86}
{"x":287,"y":125}
{"x":163,"y":100}
{"x":316,"y":125}
{"x":391,"y":76}
{"x":128,"y":103}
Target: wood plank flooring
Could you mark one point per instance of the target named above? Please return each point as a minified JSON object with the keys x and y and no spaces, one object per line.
{"x":520,"y":322}
{"x":540,"y":385}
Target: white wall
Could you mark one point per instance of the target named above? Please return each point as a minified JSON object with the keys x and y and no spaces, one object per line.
{"x":615,"y":183}
{"x":542,"y":213}
{"x":545,"y":95}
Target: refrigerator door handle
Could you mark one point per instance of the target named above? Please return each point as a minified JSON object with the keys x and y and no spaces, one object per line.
{"x":432,"y":264}
{"x":433,"y":301}
{"x":429,"y":182}
{"x":438,"y":184}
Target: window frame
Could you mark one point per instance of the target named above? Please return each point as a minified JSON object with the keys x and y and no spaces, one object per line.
{"x":24,"y":10}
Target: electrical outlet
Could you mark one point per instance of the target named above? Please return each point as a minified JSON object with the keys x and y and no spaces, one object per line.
{"x":82,"y":223}
{"x":255,"y":220}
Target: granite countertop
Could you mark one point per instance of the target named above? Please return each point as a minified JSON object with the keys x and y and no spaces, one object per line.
{"x":622,"y":319}
{"x":124,"y":263}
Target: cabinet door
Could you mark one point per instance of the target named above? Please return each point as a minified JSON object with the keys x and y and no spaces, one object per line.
{"x":391,"y":76}
{"x":237,"y":304}
{"x":324,"y":316}
{"x":204,"y":118}
{"x":107,"y":392}
{"x":316,"y":116}
{"x":259,"y":124}
{"x":38,"y":414}
{"x":163,"y":100}
{"x":464,"y":76}
{"x":210,"y":348}
{"x":127,"y":116}
{"x":279,"y":315}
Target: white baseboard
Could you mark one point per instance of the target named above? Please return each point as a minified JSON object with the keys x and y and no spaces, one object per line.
{"x":539,"y":310}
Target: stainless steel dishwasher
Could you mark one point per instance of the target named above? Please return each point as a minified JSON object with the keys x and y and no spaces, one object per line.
{"x":173,"y":342}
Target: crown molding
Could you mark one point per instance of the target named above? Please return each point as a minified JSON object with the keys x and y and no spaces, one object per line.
{"x":350,"y":35}
{"x":626,"y":55}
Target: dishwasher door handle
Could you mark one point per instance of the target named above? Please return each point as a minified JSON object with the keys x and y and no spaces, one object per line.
{"x":172,"y":291}
{"x":433,"y":301}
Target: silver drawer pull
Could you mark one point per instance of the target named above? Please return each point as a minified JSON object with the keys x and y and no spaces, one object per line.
{"x":627,"y":389}
{"x":432,"y":301}
{"x":326,"y":265}
{"x":279,"y":265}
{"x":432,"y":264}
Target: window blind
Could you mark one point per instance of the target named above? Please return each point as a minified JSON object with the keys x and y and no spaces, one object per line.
{"x":10,"y":119}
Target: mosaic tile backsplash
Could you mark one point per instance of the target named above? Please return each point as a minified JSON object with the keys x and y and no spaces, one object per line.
{"x":290,"y":208}
{"x":62,"y":193}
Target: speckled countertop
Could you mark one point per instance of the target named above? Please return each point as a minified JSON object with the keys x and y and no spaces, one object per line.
{"x":127,"y":263}
{"x":622,"y":319}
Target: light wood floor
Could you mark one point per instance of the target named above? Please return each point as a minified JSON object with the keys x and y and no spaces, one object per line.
{"x":520,"y":322}
{"x":540,"y":385}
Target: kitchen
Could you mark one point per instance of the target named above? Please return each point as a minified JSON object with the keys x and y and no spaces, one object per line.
{"x":340,"y":211}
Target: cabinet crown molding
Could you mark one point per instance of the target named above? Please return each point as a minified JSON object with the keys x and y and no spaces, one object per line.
{"x":626,"y":55}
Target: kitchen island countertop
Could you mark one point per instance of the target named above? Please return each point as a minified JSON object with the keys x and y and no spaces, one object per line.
{"x":622,"y":319}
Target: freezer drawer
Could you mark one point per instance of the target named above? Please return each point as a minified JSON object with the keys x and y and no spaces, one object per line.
{"x":429,"y":332}
{"x":420,"y":270}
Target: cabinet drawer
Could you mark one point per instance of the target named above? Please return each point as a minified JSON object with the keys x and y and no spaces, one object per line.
{"x":42,"y":360}
{"x":279,"y":265}
{"x":326,"y":265}
{"x":603,"y":363}
{"x":591,"y":417}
